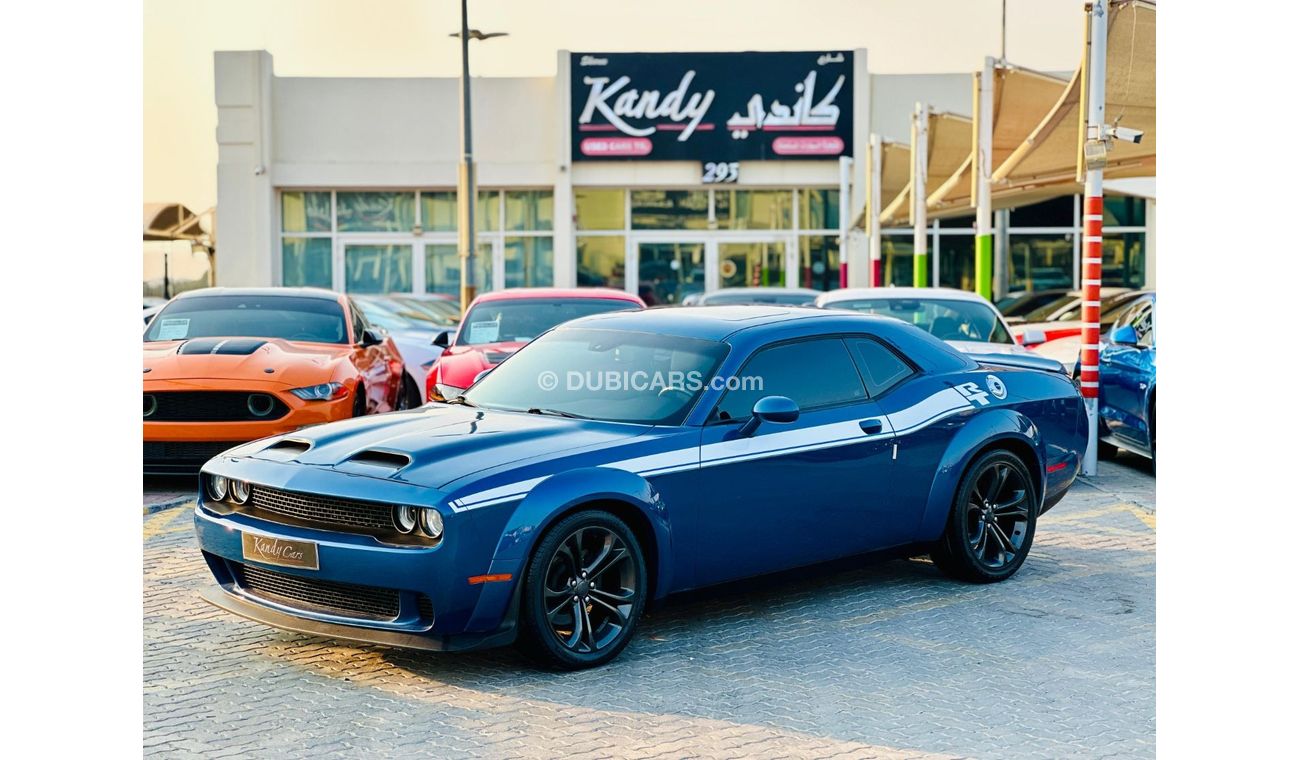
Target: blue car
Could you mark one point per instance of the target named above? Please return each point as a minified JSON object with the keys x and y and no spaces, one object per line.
{"x":623,"y":457}
{"x":1126,"y":384}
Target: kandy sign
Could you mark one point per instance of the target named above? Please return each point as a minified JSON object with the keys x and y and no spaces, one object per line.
{"x":711,"y":106}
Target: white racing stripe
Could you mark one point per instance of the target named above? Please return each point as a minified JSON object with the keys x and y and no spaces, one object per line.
{"x":937,"y":406}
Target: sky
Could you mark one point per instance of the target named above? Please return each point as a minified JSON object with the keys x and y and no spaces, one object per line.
{"x":409,"y":38}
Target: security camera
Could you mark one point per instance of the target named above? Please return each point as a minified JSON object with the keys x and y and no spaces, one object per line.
{"x":1124,"y":133}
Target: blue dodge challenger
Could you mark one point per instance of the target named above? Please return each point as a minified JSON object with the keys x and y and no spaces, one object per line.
{"x":626,"y":456}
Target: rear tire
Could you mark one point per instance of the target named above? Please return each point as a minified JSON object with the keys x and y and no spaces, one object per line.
{"x":991,"y":526}
{"x":584,"y":591}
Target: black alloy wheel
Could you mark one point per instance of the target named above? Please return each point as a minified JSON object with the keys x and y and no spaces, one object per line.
{"x":584,"y":591}
{"x":991,"y":527}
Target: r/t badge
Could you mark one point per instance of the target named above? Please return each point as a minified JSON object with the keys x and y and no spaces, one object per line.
{"x":973,"y":393}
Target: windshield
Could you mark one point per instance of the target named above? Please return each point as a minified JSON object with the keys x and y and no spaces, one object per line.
{"x":521,"y":320}
{"x":1110,"y":308}
{"x":1051,"y":307}
{"x":441,"y":312}
{"x":314,"y":320}
{"x":944,"y":319}
{"x":389,"y":315}
{"x":611,"y":375}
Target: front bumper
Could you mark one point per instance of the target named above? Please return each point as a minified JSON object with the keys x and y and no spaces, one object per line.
{"x":183,"y":446}
{"x":437,"y":608}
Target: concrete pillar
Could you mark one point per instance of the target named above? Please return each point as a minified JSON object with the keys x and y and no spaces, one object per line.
{"x":566,"y":250}
{"x":248,"y":254}
{"x":1150,"y":246}
{"x":855,"y":251}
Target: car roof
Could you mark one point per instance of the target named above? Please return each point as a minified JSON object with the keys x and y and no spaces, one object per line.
{"x":320,"y":293}
{"x":851,"y":294}
{"x":706,"y":322}
{"x":774,"y":290}
{"x":510,"y":294}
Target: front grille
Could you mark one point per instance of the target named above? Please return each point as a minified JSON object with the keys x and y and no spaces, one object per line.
{"x":196,"y":452}
{"x":212,"y":406}
{"x":323,"y":510}
{"x":344,"y":599}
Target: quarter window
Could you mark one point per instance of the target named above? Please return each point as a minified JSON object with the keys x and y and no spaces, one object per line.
{"x":881,"y":368}
{"x":812,"y":373}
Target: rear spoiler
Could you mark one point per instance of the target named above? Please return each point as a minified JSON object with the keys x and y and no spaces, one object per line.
{"x":1021,"y":361}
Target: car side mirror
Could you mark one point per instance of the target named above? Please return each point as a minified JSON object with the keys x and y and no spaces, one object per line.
{"x":1124,"y":335}
{"x":371,"y":337}
{"x":778,"y":409}
{"x":1033,"y":337}
{"x":442,"y":339}
{"x":481,"y":375}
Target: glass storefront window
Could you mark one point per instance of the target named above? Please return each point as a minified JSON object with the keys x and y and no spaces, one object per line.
{"x":377,"y":268}
{"x":1123,"y":211}
{"x":529,"y":262}
{"x":488,"y":214}
{"x":376,"y":211}
{"x":1123,"y":260}
{"x":751,"y":265}
{"x":670,"y":209}
{"x":601,"y":262}
{"x":668,"y":272}
{"x":753,"y":209}
{"x":1058,"y":212}
{"x":438,"y":211}
{"x":819,"y":209}
{"x":599,"y":209}
{"x":307,"y":262}
{"x":305,"y":212}
{"x":819,"y":262}
{"x":896,"y":253}
{"x":1039,"y":262}
{"x":442,"y":268}
{"x":529,"y":210}
{"x":957,"y":261}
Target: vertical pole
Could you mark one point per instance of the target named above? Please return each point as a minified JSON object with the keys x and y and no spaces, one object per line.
{"x":846,"y":174}
{"x":1092,"y":220}
{"x":466,"y":194}
{"x":920,"y":150}
{"x":983,"y":168}
{"x":875,"y":260}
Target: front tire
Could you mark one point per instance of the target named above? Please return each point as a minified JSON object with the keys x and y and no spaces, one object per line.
{"x":991,"y":526}
{"x":584,"y":592}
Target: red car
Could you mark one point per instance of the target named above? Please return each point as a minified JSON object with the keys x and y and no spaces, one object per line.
{"x":498,"y":324}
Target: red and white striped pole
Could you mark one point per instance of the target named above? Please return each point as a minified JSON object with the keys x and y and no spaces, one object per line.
{"x":1095,"y":158}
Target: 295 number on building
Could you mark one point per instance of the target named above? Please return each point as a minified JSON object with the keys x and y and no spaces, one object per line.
{"x":720,"y":172}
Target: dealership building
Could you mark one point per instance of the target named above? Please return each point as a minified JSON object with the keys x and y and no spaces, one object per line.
{"x":661,"y":173}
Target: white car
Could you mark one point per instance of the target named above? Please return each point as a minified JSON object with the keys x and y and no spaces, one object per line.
{"x":966,"y":321}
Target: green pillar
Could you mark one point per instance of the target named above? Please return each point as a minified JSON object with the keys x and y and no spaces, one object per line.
{"x":984,"y":265}
{"x":921,"y":270}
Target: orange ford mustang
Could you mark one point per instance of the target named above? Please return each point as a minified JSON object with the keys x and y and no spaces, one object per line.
{"x":224,"y":366}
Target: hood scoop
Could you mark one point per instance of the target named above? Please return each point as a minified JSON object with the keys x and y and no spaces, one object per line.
{"x":374,"y":462}
{"x":222,"y":346}
{"x":284,"y":450}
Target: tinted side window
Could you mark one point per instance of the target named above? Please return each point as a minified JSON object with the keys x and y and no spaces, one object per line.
{"x":812,"y":373}
{"x":881,"y":368}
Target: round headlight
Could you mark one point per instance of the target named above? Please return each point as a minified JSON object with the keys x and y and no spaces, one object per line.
{"x":239,"y":491}
{"x":404,"y":518}
{"x":431,"y":522}
{"x":217,"y":487}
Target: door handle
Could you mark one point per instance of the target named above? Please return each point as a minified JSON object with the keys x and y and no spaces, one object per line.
{"x":871,"y":427}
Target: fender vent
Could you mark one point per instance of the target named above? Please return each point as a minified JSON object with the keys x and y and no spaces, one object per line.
{"x":376,"y":458}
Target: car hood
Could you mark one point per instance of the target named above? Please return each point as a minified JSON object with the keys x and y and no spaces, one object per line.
{"x":439,"y":443}
{"x":461,"y":364}
{"x":294,"y":364}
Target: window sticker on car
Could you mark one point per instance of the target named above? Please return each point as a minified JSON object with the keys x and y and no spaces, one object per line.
{"x":484,"y":332}
{"x":173,"y":329}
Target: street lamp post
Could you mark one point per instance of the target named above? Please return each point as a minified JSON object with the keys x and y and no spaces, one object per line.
{"x":466,"y":185}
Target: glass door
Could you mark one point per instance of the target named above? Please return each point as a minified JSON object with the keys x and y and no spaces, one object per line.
{"x":442,"y":268}
{"x":667,"y":272}
{"x":376,"y":267}
{"x":754,"y":264}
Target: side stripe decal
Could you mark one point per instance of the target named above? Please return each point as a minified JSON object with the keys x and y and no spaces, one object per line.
{"x":936,"y":407}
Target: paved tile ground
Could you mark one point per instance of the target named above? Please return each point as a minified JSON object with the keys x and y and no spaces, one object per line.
{"x":882,"y":660}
